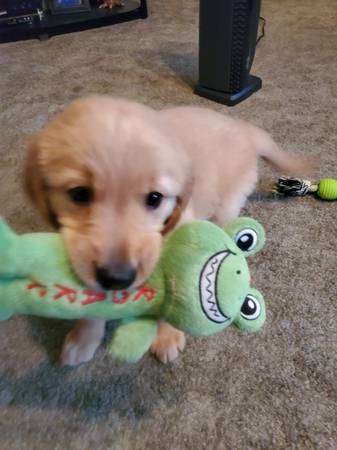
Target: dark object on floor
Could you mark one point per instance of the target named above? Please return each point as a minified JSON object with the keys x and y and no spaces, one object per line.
{"x":228,"y":38}
{"x":26,"y":19}
{"x":326,"y":189}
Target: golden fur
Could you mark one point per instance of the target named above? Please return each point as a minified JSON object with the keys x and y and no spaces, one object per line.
{"x":204,"y":164}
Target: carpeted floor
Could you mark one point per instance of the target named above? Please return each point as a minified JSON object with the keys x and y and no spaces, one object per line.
{"x":274,"y":390}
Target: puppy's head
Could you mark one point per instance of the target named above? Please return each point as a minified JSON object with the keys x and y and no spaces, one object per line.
{"x":108,"y":174}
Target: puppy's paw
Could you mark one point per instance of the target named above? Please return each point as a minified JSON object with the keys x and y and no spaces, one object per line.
{"x":111,"y":3}
{"x":76,"y":352}
{"x":168,"y":342}
{"x":82,"y":342}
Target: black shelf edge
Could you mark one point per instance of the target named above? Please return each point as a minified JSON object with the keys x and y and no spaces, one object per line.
{"x":52,"y":25}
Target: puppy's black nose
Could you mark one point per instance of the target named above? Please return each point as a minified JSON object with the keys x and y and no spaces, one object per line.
{"x":120,"y":279}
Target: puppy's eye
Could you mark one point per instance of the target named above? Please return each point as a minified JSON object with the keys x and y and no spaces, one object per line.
{"x":153,"y":200}
{"x":81,"y":194}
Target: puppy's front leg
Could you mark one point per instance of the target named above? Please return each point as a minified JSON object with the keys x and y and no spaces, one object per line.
{"x":82,"y":341}
{"x":168,"y":342}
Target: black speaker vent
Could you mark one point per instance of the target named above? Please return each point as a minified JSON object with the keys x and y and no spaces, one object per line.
{"x":239,"y":42}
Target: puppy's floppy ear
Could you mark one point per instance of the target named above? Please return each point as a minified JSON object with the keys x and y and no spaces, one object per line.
{"x":182,"y":202}
{"x":34,"y":184}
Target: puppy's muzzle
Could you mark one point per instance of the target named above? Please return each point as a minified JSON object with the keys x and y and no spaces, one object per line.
{"x":120,"y":278}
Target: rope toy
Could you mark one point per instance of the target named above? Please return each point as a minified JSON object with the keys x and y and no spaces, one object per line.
{"x":326,"y":189}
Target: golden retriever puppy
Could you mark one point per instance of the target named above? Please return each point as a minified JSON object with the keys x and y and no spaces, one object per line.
{"x":115,"y":177}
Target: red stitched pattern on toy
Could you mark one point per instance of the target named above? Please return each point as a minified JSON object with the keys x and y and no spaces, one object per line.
{"x":93,"y":297}
{"x":36,"y":285}
{"x":73,"y":295}
{"x":147,"y":292}
{"x":120,"y":297}
{"x":64,"y":291}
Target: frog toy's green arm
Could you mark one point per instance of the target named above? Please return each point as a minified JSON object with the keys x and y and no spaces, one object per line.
{"x":200,"y":285}
{"x":133,"y":338}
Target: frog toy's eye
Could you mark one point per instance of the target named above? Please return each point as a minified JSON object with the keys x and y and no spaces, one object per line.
{"x":251,"y":308}
{"x":246,"y":239}
{"x":252,"y":313}
{"x":247,"y":233}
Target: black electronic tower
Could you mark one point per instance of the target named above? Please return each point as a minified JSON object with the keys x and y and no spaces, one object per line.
{"x":227,"y":41}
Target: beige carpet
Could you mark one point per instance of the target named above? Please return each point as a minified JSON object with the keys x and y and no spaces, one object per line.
{"x":274,"y":390}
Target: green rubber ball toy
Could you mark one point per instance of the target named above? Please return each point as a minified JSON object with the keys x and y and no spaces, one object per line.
{"x":327,"y":189}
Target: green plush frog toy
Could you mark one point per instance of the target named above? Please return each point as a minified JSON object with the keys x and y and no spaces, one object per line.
{"x":200,"y":285}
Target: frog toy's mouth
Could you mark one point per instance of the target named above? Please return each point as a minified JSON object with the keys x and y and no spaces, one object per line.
{"x":208,"y":287}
